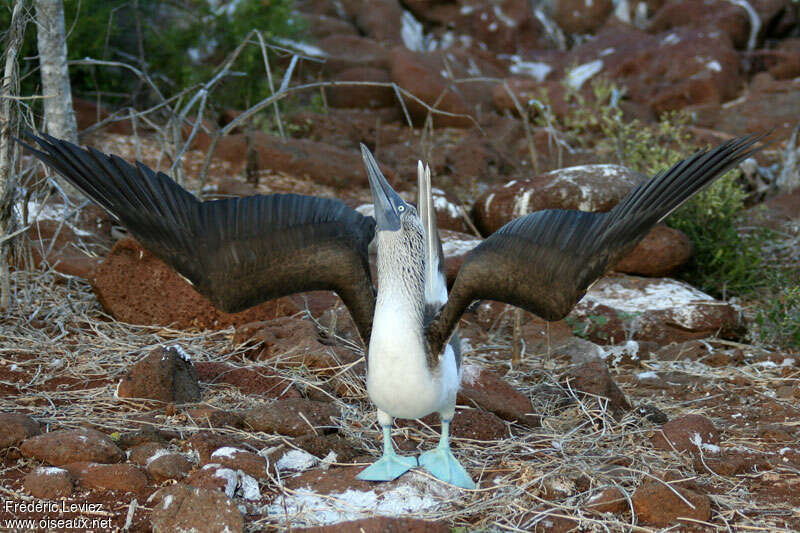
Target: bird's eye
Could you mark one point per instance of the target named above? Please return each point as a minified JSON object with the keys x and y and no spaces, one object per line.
{"x":401,"y":208}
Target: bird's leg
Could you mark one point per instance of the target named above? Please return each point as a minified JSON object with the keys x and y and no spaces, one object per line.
{"x":442,"y":464}
{"x":390,"y":466}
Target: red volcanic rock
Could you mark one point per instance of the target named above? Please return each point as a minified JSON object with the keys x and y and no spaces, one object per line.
{"x":661,"y":310}
{"x":164,"y":374}
{"x":168,"y":466}
{"x":662,"y":251}
{"x":777,"y":212}
{"x":476,"y":424}
{"x":49,"y":483}
{"x":364,"y":96}
{"x":15,"y":428}
{"x":586,"y":187}
{"x":52,"y":242}
{"x":411,"y":71}
{"x":448,"y":212}
{"x":215,"y":418}
{"x":321,"y":162}
{"x":292,"y":342}
{"x":505,"y":27}
{"x":708,"y":15}
{"x":769,"y":104}
{"x":250,"y":463}
{"x":485,"y":389}
{"x":687,"y":433}
{"x":656,"y":504}
{"x":118,"y":477}
{"x":351,"y":51}
{"x":666,"y":72}
{"x":321,"y":445}
{"x":322,"y":26}
{"x":284,"y":417}
{"x":136,"y":287}
{"x":456,"y":247}
{"x":142,"y":453}
{"x":581,"y":16}
{"x":183,"y":508}
{"x":593,"y":378}
{"x":206,"y":442}
{"x":65,"y":446}
{"x":87,"y":113}
{"x":261,"y":381}
{"x":611,"y":500}
{"x":377,"y":19}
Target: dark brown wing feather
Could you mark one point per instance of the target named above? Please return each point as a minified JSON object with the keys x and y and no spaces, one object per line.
{"x":237,"y":252}
{"x":544,"y":262}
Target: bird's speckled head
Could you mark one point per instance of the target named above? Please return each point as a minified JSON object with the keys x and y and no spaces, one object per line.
{"x":399,"y":234}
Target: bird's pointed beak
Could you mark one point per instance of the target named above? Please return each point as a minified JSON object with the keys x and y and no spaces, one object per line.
{"x":386,"y":201}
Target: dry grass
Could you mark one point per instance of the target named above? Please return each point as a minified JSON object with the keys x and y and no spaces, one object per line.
{"x":57,"y":330}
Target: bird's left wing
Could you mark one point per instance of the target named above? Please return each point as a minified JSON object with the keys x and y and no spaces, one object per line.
{"x":237,"y":252}
{"x":545,"y":262}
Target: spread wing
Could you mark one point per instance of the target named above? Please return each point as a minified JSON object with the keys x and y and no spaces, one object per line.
{"x":237,"y":252}
{"x":545,"y":262}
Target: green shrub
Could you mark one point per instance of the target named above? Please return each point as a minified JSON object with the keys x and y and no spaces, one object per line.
{"x":177,"y":43}
{"x":778,"y":319}
{"x":725,"y":261}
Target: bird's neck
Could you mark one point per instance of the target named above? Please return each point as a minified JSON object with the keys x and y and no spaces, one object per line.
{"x":401,"y":288}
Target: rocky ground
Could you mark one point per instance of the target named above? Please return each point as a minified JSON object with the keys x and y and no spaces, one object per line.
{"x":646,"y":408}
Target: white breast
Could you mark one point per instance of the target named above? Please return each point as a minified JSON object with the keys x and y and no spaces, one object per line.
{"x":398,"y":379}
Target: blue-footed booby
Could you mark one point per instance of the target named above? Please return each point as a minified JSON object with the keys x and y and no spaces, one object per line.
{"x":242,"y":251}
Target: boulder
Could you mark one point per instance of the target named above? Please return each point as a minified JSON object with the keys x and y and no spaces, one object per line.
{"x":135,"y":286}
{"x":165,"y":374}
{"x":183,"y":508}
{"x":661,"y":310}
{"x":456,"y":247}
{"x":661,"y":253}
{"x":260,"y":381}
{"x":658,"y":505}
{"x":352,"y":51}
{"x":15,"y":428}
{"x":593,"y":378}
{"x":118,"y":477}
{"x":665,"y":72}
{"x":694,"y":433}
{"x":284,"y":417}
{"x":250,"y":463}
{"x":66,"y":446}
{"x":49,"y":483}
{"x":708,"y":15}
{"x":769,"y":104}
{"x":485,"y":389}
{"x":163,"y":467}
{"x":581,"y":16}
{"x":362,"y":96}
{"x":323,"y":163}
{"x":214,"y":476}
{"x":412,"y":72}
{"x":585,"y":187}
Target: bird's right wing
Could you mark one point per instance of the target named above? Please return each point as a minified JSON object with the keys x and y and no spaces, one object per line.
{"x":546,"y":261}
{"x":237,"y":252}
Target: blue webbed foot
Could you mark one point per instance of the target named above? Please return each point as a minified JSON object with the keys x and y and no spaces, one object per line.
{"x":390,"y":466}
{"x":443,"y":465}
